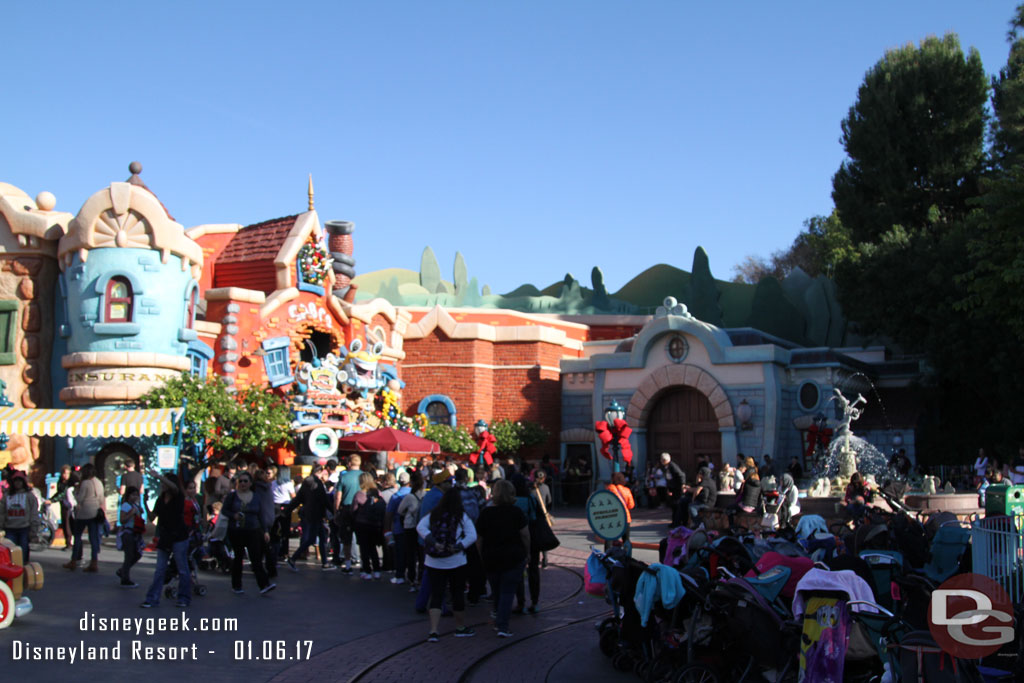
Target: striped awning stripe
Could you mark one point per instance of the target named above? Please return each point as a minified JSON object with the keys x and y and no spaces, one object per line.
{"x":103,"y":423}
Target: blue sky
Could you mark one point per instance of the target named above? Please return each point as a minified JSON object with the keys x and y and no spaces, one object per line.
{"x":537,"y":138}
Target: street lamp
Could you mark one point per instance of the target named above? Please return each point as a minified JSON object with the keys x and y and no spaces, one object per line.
{"x":614,"y":412}
{"x":614,"y":433}
{"x":745,"y":413}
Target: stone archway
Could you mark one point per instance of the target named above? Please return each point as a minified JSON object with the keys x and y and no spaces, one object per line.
{"x":671,"y":376}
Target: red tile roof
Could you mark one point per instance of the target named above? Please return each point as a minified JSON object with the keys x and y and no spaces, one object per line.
{"x":137,"y":181}
{"x":258,"y":242}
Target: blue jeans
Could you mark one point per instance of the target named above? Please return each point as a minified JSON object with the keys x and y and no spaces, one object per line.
{"x":20,"y":538}
{"x":504,"y":585}
{"x":312,"y":532}
{"x":95,"y":534}
{"x":180,"y":552}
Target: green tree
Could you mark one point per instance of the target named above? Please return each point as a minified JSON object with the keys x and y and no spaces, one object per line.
{"x":914,"y":138}
{"x":1008,"y":100}
{"x":512,"y":436}
{"x":220,"y":425}
{"x":817,"y":250}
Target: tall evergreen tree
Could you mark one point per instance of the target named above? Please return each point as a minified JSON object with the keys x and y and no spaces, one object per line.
{"x":914,"y":138}
{"x":1008,"y":100}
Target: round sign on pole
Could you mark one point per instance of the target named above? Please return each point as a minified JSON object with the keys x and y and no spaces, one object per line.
{"x":606,"y":515}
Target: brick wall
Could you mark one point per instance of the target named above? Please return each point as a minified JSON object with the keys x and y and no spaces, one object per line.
{"x":517,"y":381}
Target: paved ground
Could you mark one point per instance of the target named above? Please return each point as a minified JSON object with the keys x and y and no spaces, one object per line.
{"x":321,"y":626}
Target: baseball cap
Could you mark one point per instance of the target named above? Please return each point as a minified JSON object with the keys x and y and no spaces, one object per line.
{"x":441,"y":477}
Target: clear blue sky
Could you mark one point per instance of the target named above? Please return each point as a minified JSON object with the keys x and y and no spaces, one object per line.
{"x":536,"y":137}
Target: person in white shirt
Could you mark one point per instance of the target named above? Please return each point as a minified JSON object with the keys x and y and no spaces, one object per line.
{"x":282,"y":491}
{"x":1017,"y":469}
{"x":446,"y":532}
{"x":980,"y":465}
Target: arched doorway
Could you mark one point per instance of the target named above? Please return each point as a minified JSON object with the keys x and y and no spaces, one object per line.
{"x":683,"y":424}
{"x":110,"y":464}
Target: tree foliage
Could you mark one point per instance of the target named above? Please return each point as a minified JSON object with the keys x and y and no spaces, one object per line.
{"x":220,"y":425}
{"x":511,"y":437}
{"x":925,"y":244}
{"x":821,"y":245}
{"x":914,"y":138}
{"x":453,"y":440}
{"x":1008,"y":100}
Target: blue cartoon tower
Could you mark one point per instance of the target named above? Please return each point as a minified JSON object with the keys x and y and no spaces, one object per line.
{"x":127,"y":306}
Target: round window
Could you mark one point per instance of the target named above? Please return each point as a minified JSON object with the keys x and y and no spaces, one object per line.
{"x":677,"y":348}
{"x":810,"y":395}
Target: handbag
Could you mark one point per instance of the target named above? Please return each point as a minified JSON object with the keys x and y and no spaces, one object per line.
{"x":544,"y":509}
{"x":541,"y":535}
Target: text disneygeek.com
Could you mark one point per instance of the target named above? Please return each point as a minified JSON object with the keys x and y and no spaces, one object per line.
{"x":139,"y":650}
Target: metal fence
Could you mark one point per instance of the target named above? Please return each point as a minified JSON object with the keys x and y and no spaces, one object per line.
{"x":997,"y":551}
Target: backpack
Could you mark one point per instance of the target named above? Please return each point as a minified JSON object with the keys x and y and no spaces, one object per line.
{"x":444,"y":534}
{"x":371,"y":513}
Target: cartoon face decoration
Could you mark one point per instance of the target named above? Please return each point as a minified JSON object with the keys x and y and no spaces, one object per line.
{"x":360,"y":369}
{"x":480,"y":427}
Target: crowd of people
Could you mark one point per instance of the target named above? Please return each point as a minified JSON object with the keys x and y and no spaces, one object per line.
{"x":452,"y":533}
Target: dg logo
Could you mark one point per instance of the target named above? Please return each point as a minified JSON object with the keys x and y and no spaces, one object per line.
{"x":971,"y":616}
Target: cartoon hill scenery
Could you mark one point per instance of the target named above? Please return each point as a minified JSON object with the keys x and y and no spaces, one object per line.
{"x":800,"y":309}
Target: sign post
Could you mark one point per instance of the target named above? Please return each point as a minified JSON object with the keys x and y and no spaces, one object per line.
{"x":607,"y":516}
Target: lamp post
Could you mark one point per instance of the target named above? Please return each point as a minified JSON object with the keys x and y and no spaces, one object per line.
{"x":745,"y":413}
{"x":614,"y":431}
{"x":613,"y":414}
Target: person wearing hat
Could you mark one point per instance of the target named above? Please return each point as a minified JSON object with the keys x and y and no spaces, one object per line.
{"x":19,"y":512}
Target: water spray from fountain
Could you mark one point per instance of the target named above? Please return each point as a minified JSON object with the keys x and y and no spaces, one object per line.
{"x":848,"y":453}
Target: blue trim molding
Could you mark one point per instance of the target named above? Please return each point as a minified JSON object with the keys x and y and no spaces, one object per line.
{"x":439,"y":398}
{"x":275,"y":363}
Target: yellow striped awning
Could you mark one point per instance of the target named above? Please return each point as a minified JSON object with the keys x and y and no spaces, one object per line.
{"x":70,"y":422}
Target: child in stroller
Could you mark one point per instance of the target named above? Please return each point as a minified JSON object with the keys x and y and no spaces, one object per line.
{"x":217,"y":554}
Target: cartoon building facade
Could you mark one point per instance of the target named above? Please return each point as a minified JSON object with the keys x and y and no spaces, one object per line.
{"x":99,"y":307}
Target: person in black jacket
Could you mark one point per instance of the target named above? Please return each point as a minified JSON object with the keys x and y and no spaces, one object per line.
{"x":248,"y":530}
{"x":172,"y":540}
{"x":675,"y":478}
{"x":315,"y":504}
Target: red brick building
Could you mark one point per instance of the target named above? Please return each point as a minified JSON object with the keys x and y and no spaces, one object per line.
{"x":485,"y":364}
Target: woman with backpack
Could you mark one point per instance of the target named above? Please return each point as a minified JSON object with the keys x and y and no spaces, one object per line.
{"x":446,"y":533}
{"x":368,"y":510}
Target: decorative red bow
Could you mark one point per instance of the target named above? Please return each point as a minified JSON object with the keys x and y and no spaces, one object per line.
{"x":619,"y":432}
{"x":816,"y":437}
{"x":485,"y":448}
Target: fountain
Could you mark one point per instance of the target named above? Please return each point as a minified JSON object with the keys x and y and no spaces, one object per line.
{"x":848,"y":453}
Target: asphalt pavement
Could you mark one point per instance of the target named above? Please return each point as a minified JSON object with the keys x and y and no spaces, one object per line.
{"x":316,"y":625}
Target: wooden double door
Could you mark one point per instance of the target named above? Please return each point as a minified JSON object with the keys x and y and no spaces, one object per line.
{"x":683,"y":424}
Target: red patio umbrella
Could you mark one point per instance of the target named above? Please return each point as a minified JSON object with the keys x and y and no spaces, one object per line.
{"x":388,"y":439}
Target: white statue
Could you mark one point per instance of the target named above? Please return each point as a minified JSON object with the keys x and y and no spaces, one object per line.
{"x":851,"y":412}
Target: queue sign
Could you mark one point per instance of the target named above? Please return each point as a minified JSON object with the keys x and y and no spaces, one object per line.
{"x":606,"y":515}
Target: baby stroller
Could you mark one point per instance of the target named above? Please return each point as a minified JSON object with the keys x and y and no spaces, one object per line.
{"x":751,"y":640}
{"x":621,"y":636}
{"x":193,"y":556}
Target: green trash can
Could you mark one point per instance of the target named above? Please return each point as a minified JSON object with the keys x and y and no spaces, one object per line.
{"x":1004,"y":500}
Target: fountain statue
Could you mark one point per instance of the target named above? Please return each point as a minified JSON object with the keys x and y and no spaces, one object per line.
{"x":851,"y":412}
